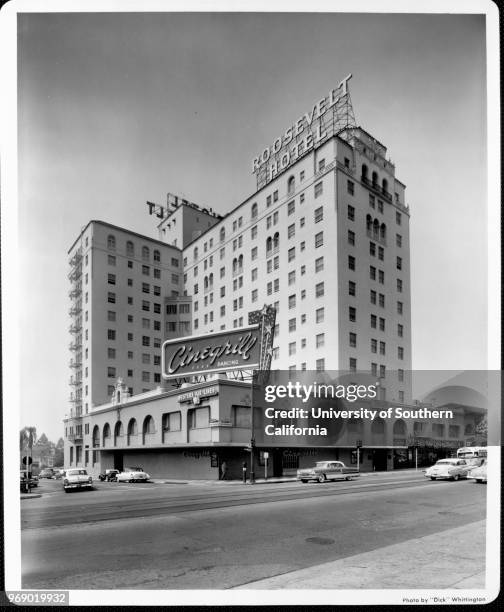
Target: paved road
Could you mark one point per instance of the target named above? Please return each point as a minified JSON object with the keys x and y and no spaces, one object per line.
{"x":207,"y":536}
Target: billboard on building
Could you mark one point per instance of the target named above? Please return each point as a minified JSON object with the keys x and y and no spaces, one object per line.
{"x":237,"y":349}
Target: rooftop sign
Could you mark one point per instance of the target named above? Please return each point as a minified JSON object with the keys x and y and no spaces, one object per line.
{"x":327,"y":118}
{"x":237,"y":349}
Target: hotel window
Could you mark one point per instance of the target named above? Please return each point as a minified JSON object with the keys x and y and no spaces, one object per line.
{"x":352,"y":314}
{"x":174,"y":262}
{"x":146,"y":323}
{"x":381,"y":277}
{"x":400,"y":375}
{"x":111,"y":354}
{"x":320,"y":365}
{"x":157,"y":342}
{"x":172,"y":308}
{"x":111,"y":298}
{"x":292,"y":301}
{"x":196,"y":323}
{"x":319,"y":289}
{"x":146,"y":358}
{"x":319,"y":315}
{"x":399,"y":285}
{"x":319,"y":239}
{"x":157,"y":325}
{"x":111,"y":372}
{"x":400,"y":352}
{"x":382,"y":347}
{"x":254,"y":295}
{"x":373,"y":321}
{"x":292,"y":277}
{"x":291,"y":254}
{"x":175,"y":279}
{"x":195,"y":290}
{"x":382,"y":324}
{"x":111,"y":315}
{"x":351,"y":238}
{"x":292,"y":325}
{"x":275,"y":218}
{"x":318,"y":189}
{"x":373,"y":297}
{"x":351,"y":262}
{"x":269,"y":288}
{"x":292,"y":348}
{"x":130,"y":264}
{"x":157,"y":308}
{"x":319,"y":214}
{"x":353,"y":364}
{"x":268,"y":201}
{"x":301,"y":198}
{"x":372,"y":272}
{"x":253,"y":233}
{"x":276,"y":262}
{"x":374,"y":369}
{"x":253,"y":253}
{"x":302,"y":246}
{"x":372,"y":249}
{"x":146,"y":253}
{"x":301,"y":175}
{"x":253,"y":213}
{"x":351,"y":213}
{"x":222,"y":311}
{"x":157,"y":273}
{"x":291,"y":230}
{"x":156,"y":290}
{"x":350,"y":187}
{"x":399,"y":263}
{"x":130,"y":337}
{"x":195,"y":271}
{"x":303,"y":319}
{"x":321,"y":164}
{"x":171,"y":326}
{"x":401,"y":397}
{"x":145,"y":305}
{"x":371,"y":201}
{"x":319,"y":264}
{"x":400,"y":330}
{"x":381,"y":253}
{"x":112,"y":260}
{"x":145,"y":288}
{"x":374,"y":345}
{"x":399,"y":308}
{"x":303,"y":270}
{"x":303,"y":342}
{"x":381,"y":300}
{"x":222,"y":252}
{"x":351,"y":288}
{"x":222,"y":272}
{"x":269,"y":266}
{"x":398,"y":240}
{"x":291,"y":207}
{"x":222,"y":291}
{"x":145,"y":341}
{"x":380,"y":206}
{"x":111,"y":242}
{"x":352,"y":338}
{"x":382,"y":371}
{"x":398,"y":218}
{"x":319,"y":340}
{"x":145,"y":376}
{"x":157,"y":255}
{"x":275,"y":196}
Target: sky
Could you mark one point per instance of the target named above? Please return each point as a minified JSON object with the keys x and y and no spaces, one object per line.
{"x":117,"y":109}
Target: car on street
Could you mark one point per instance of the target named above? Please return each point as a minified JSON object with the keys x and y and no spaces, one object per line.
{"x":108,"y":475}
{"x":132,"y":474}
{"x":59,"y":473}
{"x":327,"y":470}
{"x":77,"y":478}
{"x":451,"y":469}
{"x":46,"y":473}
{"x":479,"y":474}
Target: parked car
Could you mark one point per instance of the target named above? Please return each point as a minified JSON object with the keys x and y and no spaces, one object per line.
{"x":327,"y":470}
{"x":132,"y":474}
{"x":479,"y":474}
{"x":59,"y":473}
{"x":108,"y":475}
{"x":46,"y":473}
{"x":452,"y":469}
{"x":77,"y":478}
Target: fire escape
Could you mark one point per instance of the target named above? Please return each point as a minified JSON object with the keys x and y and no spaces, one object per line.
{"x":75,"y":329}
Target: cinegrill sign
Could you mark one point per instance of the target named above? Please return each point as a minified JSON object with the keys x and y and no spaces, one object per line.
{"x":237,"y":349}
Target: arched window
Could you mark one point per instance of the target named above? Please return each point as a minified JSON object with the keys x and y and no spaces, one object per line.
{"x":364,"y":176}
{"x":240,"y":264}
{"x":205,"y":283}
{"x":369,"y":223}
{"x":157,"y":255}
{"x":130,"y":249}
{"x":111,"y":242}
{"x":291,"y":185}
{"x":399,"y":428}
{"x":222,"y":234}
{"x":276,"y":241}
{"x":118,"y":432}
{"x":385,"y":186}
{"x":195,"y":253}
{"x":132,"y":431}
{"x":254,"y":210}
{"x":269,"y":244}
{"x":96,"y":436}
{"x":235,"y":265}
{"x":106,"y":434}
{"x":383,"y":231}
{"x":210,"y":280}
{"x":375,"y":179}
{"x":376,"y":229}
{"x":378,"y":426}
{"x":145,"y":253}
{"x":148,"y":428}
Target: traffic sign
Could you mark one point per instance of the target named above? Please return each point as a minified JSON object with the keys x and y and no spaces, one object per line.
{"x":27,"y":460}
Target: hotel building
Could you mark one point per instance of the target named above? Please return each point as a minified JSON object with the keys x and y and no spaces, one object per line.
{"x":324,"y":239}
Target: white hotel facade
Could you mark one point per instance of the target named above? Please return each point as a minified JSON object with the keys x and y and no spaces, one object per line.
{"x":325,"y":240}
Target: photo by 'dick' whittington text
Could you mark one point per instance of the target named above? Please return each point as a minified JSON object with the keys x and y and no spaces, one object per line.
{"x":325,"y":409}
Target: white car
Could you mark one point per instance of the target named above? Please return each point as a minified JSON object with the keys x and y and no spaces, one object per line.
{"x":453,"y":469}
{"x":479,"y":473}
{"x":77,"y":478}
{"x":133,"y":474}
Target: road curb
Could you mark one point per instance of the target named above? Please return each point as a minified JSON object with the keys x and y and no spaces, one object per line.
{"x":30,"y":495}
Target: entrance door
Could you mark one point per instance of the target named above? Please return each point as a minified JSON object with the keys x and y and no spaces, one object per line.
{"x":118,"y":461}
{"x":277,"y":463}
{"x":379,"y":459}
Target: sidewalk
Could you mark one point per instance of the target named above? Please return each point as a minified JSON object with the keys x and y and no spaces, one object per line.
{"x":451,"y":559}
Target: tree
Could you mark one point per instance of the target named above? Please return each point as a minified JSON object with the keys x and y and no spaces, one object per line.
{"x":43,"y":439}
{"x":482,"y":429}
{"x":27,"y":438}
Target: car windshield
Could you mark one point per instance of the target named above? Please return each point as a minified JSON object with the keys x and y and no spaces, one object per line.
{"x":77,"y":473}
{"x":445,"y":462}
{"x":321,"y":463}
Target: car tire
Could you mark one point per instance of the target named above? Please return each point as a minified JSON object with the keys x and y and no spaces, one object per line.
{"x":478,"y":480}
{"x":303,"y":480}
{"x":433,"y":478}
{"x":456,"y":477}
{"x":322,"y":478}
